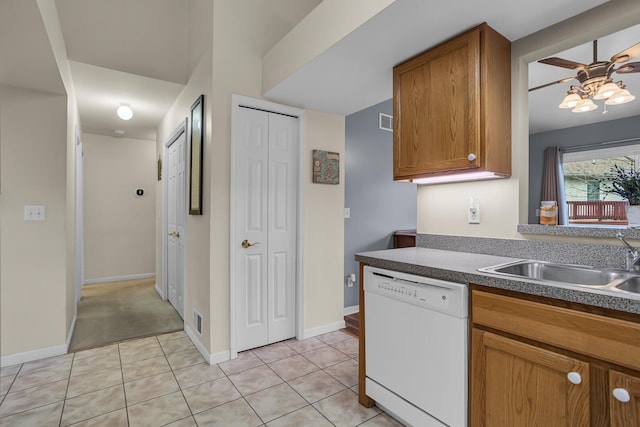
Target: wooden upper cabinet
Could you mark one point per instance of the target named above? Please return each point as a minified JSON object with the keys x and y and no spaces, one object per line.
{"x":452,"y":108}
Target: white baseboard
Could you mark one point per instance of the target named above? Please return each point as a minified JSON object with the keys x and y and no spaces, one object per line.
{"x":29,"y":356}
{"x":159,"y":291}
{"x":324,"y":329}
{"x":71,"y":329}
{"x":351,"y":310}
{"x":212,"y":359}
{"x":118,"y":278}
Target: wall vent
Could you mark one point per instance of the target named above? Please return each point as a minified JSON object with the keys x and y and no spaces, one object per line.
{"x":197,"y":321}
{"x":385,"y":122}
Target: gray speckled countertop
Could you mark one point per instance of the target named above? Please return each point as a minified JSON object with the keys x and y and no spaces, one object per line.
{"x":462,"y":267}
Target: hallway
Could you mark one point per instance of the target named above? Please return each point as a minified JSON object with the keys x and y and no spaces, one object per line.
{"x":118,"y":311}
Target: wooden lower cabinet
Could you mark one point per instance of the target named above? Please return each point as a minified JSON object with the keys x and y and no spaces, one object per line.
{"x":623,"y":412}
{"x":516,"y":384}
{"x":537,"y":362}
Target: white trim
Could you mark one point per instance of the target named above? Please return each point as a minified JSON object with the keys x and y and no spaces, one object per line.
{"x":159,"y":291}
{"x":600,"y":153}
{"x":236,"y":102}
{"x":119,"y":278}
{"x":351,"y":310}
{"x":29,"y":356}
{"x":324,"y":329}
{"x":72,"y":328}
{"x":212,"y":359}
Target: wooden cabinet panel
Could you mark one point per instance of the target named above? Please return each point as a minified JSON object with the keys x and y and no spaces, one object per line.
{"x":594,"y":335}
{"x":624,"y":414}
{"x":515,"y":384}
{"x":452,"y":101}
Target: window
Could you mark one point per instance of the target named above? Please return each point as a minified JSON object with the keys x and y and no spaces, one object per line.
{"x":586,"y":174}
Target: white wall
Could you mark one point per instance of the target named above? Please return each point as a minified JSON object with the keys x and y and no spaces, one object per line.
{"x":119,"y":225}
{"x":33,"y":275}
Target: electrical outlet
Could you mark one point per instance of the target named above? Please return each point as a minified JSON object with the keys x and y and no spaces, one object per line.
{"x":474,"y":215}
{"x":347,"y":212}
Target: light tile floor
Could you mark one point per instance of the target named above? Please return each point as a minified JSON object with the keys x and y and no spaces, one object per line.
{"x":163,"y":380}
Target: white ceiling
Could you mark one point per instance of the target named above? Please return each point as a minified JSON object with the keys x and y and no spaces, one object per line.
{"x":357,"y":71}
{"x":135,"y":52}
{"x":544,"y":114}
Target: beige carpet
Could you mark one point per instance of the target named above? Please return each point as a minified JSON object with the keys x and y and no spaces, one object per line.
{"x":117,"y":311}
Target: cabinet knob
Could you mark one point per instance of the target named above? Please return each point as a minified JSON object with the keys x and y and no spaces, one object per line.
{"x":621,"y":395}
{"x":471,"y":157}
{"x":574,"y":377}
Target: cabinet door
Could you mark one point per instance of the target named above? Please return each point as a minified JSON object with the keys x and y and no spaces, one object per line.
{"x":437,"y":109}
{"x":516,"y":384}
{"x":624,"y":406}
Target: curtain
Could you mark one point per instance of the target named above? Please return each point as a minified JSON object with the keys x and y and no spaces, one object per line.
{"x":553,"y":182}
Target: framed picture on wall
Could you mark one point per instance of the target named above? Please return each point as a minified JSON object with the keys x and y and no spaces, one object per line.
{"x":197,"y":134}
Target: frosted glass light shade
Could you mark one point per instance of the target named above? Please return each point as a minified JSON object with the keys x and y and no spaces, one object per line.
{"x":572,"y":100}
{"x":124,"y":112}
{"x":622,"y":96}
{"x":606,"y":90}
{"x":587,"y":105}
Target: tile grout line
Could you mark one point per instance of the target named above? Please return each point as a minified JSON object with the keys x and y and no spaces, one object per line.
{"x":124,"y":390}
{"x":178,"y":384}
{"x":66,"y":392}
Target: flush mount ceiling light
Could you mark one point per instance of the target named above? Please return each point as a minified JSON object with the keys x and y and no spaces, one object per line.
{"x":595,"y":80}
{"x":124,"y":112}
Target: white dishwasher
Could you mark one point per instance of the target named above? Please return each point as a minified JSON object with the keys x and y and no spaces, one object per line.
{"x":416,"y":332}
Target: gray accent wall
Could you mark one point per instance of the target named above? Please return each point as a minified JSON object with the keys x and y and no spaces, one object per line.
{"x":379,"y":206}
{"x":612,"y":130}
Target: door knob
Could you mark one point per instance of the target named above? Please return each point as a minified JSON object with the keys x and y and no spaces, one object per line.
{"x":621,"y":395}
{"x":574,"y":377}
{"x":175,"y":234}
{"x":246,"y":244}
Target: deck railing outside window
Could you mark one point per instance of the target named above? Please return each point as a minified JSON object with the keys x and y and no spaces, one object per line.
{"x":597,"y":212}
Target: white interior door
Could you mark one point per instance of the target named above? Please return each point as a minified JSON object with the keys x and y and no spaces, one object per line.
{"x":265,"y":177}
{"x":176,"y":217}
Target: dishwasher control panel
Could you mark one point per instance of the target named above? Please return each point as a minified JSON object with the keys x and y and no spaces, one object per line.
{"x":434,"y":294}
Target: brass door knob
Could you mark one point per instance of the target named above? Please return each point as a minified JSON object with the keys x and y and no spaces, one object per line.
{"x":175,"y":234}
{"x":246,"y":244}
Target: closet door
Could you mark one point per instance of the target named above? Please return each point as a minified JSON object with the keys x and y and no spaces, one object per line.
{"x":264,"y":170}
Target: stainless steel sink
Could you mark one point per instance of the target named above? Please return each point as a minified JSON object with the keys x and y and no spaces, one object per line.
{"x":631,"y":284}
{"x":616,"y":280}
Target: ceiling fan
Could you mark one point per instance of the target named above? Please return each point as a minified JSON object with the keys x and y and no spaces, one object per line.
{"x":595,"y":79}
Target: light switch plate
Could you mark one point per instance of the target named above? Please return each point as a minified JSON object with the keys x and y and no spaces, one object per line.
{"x":347,"y":212}
{"x":34,"y":213}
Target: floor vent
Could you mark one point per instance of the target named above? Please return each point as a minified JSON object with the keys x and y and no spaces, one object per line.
{"x":385,"y":122}
{"x":197,"y":321}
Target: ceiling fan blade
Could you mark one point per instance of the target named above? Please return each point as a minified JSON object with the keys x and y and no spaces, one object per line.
{"x":631,"y":67}
{"x":627,"y":54}
{"x":566,"y":79}
{"x":564,"y":63}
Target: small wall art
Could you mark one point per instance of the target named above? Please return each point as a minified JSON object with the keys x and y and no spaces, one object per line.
{"x":326,"y":167}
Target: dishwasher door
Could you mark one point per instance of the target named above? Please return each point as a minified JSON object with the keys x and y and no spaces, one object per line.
{"x":416,"y":334}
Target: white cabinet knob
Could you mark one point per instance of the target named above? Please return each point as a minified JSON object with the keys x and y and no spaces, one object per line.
{"x":574,"y":377}
{"x":621,"y":395}
{"x":471,"y":157}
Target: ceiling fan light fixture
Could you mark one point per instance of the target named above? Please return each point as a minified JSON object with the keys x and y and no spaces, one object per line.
{"x":124,"y":112}
{"x":572,"y":100}
{"x":606,"y":90}
{"x":587,"y":105}
{"x":621,"y":96}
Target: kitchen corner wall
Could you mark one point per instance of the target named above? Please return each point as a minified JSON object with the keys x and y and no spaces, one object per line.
{"x":33,"y":277}
{"x":379,"y":206}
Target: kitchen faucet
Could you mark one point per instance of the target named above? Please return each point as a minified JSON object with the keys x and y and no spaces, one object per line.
{"x":633,"y":255}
